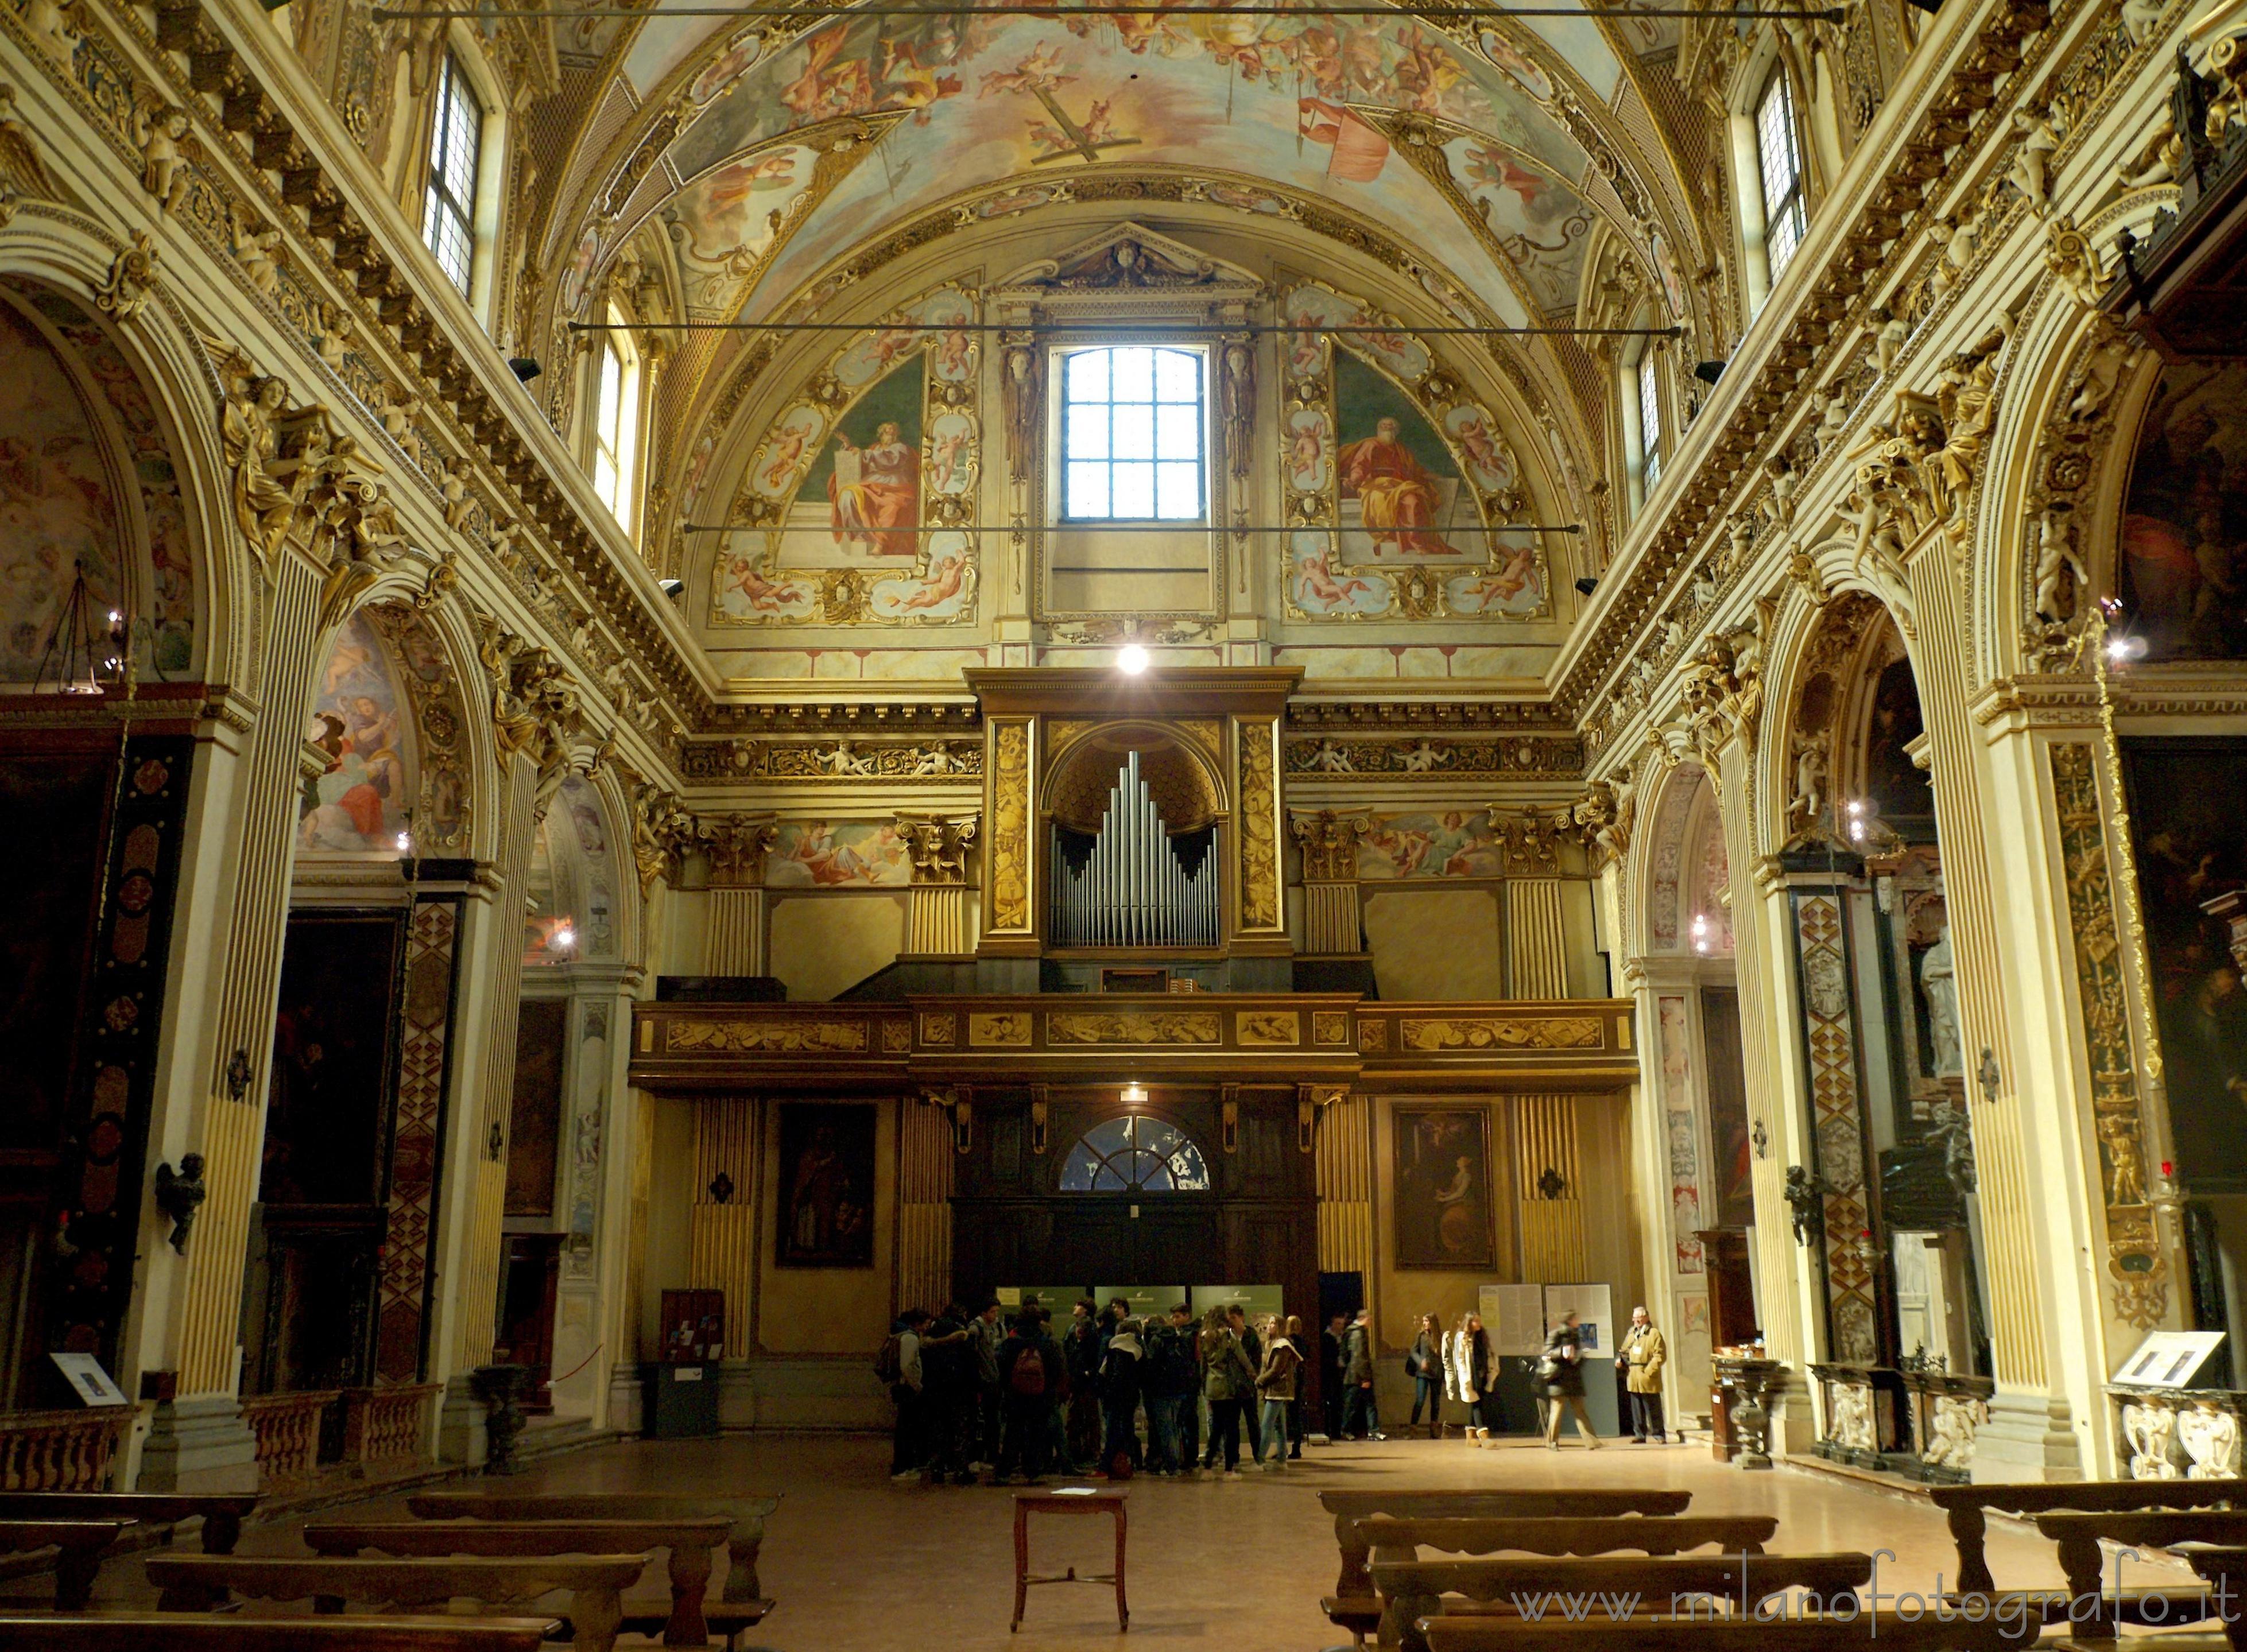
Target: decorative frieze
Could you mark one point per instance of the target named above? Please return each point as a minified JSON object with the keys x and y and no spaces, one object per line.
{"x":846,"y":758}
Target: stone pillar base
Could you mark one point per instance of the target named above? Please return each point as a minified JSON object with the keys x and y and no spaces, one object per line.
{"x":1794,"y":1421}
{"x":459,"y":1423}
{"x":199,"y":1445}
{"x":2027,"y":1437}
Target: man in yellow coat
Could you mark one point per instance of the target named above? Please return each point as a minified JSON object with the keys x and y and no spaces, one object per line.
{"x":1642,"y":1356}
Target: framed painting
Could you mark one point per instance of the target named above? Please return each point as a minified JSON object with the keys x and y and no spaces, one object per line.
{"x":826,"y":1185}
{"x":1442,"y":1187}
{"x":2186,"y":797}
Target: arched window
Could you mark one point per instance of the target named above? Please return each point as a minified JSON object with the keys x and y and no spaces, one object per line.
{"x":616,"y":421}
{"x":449,"y":213}
{"x":1779,"y":159}
{"x":1650,"y":421}
{"x":1134,"y":1154}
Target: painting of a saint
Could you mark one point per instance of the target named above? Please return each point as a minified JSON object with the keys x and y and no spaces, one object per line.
{"x":1443,"y":1187}
{"x":826,"y":1217}
{"x":2183,"y":560}
{"x":817,"y":854}
{"x":360,"y":803}
{"x":859,"y":497}
{"x":1399,"y":484}
{"x":875,"y":493}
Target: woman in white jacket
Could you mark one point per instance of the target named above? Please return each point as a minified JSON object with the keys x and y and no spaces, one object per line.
{"x":1462,"y":1381}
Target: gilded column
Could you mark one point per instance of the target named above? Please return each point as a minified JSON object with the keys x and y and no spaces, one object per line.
{"x":1329,"y":843}
{"x":1344,"y":1168}
{"x":1548,"y":1189}
{"x":924,"y":1159}
{"x":722,"y":1229}
{"x":2029,"y":1431}
{"x":735,"y":942}
{"x":204,"y":1445}
{"x":936,"y":906}
{"x":1259,"y":916}
{"x":1012,"y":860}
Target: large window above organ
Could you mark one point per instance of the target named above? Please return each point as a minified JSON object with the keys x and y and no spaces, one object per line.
{"x":1134,"y":435}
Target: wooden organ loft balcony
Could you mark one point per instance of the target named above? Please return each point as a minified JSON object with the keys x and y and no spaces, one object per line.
{"x":1316,"y":1042}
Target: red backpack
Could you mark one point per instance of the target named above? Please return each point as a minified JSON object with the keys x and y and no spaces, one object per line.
{"x":1028,"y":1378}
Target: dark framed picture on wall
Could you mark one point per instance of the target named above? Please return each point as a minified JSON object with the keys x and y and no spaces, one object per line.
{"x":826,"y":1185}
{"x":1443,"y":1187}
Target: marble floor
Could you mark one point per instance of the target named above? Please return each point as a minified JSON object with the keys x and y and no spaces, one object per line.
{"x":857,"y":1563}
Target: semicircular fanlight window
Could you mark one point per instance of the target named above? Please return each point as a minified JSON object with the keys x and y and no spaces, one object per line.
{"x":1134,"y":1155}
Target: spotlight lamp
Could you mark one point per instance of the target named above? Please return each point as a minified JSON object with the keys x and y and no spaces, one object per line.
{"x":670,"y":587}
{"x":525,"y":368}
{"x":1708,"y":372}
{"x":1586,"y":583}
{"x":1132,"y":659}
{"x":1134,"y":1093}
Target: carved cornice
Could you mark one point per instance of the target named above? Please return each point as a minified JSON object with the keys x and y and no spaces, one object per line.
{"x":1431,"y":756}
{"x":844,"y":760}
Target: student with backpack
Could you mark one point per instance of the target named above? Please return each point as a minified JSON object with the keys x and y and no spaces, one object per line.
{"x":1119,"y":1398}
{"x":898,"y":1366}
{"x":1166,"y":1378}
{"x":1033,"y":1378}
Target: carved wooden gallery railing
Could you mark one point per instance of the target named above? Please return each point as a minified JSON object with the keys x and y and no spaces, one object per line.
{"x":387,"y":1426}
{"x":61,"y":1450}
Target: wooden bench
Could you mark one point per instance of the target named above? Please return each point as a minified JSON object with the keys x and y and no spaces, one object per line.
{"x":78,"y":1545}
{"x":740,"y":1604}
{"x":1355,"y":1607}
{"x":595,"y":1584}
{"x":1387,"y":1537}
{"x":2225,"y":1568}
{"x":1868,"y":1632}
{"x":220,"y":1513}
{"x":172,"y":1632}
{"x":2079,"y":1532}
{"x":690,"y":1543}
{"x":1667,"y":1586}
{"x":1968,"y":1507}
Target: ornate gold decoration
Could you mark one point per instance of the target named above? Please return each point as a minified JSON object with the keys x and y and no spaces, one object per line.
{"x":1329,"y":843}
{"x":2136,"y":1268}
{"x":22,"y":175}
{"x":1439,"y":756}
{"x":1002,"y":1029}
{"x":766,"y":1037}
{"x":1372,"y":1034}
{"x":1529,"y":840}
{"x":841,"y":759}
{"x":1010,"y":836}
{"x":939,"y":1029}
{"x":1458,"y":1033}
{"x":939,"y":846}
{"x":1330,"y":1027}
{"x":2074,"y":447}
{"x":130,"y":283}
{"x":1265,"y":1027}
{"x":737,"y":845}
{"x":1132,"y":1027}
{"x":1259,"y":828}
{"x":1723,"y":686}
{"x":1605,"y":815}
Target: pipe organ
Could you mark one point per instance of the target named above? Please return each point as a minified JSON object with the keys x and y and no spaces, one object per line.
{"x":1132,"y":883}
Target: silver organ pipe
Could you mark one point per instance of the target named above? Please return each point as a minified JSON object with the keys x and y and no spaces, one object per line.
{"x":1133,"y":888}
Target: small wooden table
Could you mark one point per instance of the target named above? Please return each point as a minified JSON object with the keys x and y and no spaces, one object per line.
{"x":1067,"y":1503}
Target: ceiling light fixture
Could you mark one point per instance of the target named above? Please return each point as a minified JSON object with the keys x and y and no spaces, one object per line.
{"x":1132,"y":659}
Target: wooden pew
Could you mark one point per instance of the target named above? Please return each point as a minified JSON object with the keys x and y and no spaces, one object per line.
{"x":690,"y":1543}
{"x":1868,"y":1632}
{"x":740,"y":1604}
{"x":1389,"y":1538}
{"x":80,"y":1546}
{"x":1354,"y":1606}
{"x":595,"y":1583}
{"x":220,"y":1513}
{"x":2078,"y":1533}
{"x":2225,"y":1568}
{"x":1660,"y":1586}
{"x":172,"y":1632}
{"x":1968,"y":1507}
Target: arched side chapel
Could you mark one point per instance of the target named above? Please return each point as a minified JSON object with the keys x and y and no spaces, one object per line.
{"x":1616,"y":667}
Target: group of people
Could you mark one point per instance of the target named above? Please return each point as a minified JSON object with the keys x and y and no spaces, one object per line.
{"x":1113,"y":1392}
{"x":1461,"y":1366}
{"x":1107,"y":1392}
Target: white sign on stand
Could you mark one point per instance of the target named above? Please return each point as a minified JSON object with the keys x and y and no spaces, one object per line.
{"x":93,"y":1384}
{"x":1513,"y":1315}
{"x":2168,"y":1359}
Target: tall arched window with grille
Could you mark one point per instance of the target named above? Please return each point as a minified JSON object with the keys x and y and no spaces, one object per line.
{"x":1778,"y":158}
{"x":1650,"y":421}
{"x":1134,"y":1154}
